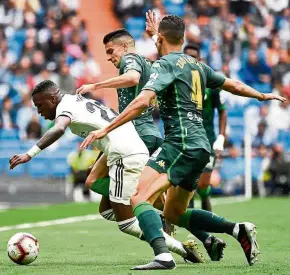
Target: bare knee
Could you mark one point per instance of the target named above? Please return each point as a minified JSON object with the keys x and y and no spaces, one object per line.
{"x":89,"y":182}
{"x":173,"y":215}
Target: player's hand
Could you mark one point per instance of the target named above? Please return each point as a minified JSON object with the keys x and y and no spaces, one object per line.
{"x":86,"y":89}
{"x":94,"y":135}
{"x":152,"y":23}
{"x":218,"y":145}
{"x":18,"y":159}
{"x":273,"y":97}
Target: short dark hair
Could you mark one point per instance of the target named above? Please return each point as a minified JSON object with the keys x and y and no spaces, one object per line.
{"x":44,"y":86}
{"x":194,"y":47}
{"x":116,"y":34}
{"x":172,"y":27}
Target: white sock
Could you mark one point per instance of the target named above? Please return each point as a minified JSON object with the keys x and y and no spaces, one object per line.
{"x":236,"y":230}
{"x":109,"y":215}
{"x":174,"y":245}
{"x":131,"y":227}
{"x":164,"y":257}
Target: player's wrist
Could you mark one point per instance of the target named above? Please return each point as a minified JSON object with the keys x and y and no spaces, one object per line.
{"x":262,"y":97}
{"x":33,"y":151}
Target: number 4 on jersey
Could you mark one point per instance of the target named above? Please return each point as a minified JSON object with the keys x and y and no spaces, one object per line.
{"x":196,"y":95}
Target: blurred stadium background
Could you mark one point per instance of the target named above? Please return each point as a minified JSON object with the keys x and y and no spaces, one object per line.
{"x":61,"y":40}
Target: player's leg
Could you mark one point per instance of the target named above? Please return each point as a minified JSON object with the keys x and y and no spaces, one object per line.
{"x":172,"y":211}
{"x":203,"y":186}
{"x":201,"y":220}
{"x":122,"y":186}
{"x":153,"y":143}
{"x":151,"y":185}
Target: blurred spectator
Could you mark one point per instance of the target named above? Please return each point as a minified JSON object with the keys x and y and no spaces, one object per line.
{"x":158,"y":8}
{"x":33,"y":129}
{"x":272,"y":53}
{"x":215,"y":57}
{"x":264,"y":135}
{"x":279,"y":172}
{"x":192,"y":30}
{"x":282,"y":68}
{"x":256,"y":73}
{"x":46,"y":73}
{"x":10,"y":16}
{"x":67,"y":83}
{"x":79,"y":162}
{"x":124,"y":9}
{"x":8,"y":115}
{"x":38,"y":62}
{"x":279,"y":116}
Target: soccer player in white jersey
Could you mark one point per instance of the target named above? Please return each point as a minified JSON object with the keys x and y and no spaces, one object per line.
{"x":124,"y":151}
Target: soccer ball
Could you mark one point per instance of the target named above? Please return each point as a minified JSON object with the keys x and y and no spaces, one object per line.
{"x":23,"y":248}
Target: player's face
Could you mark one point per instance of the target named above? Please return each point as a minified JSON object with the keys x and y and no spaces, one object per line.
{"x":193,"y":53}
{"x":114,"y":53}
{"x":46,"y":105}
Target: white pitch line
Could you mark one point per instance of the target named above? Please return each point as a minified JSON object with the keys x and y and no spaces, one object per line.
{"x":219,"y":201}
{"x":51,"y":222}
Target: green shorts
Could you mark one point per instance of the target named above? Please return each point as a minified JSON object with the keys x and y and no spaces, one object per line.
{"x":152,"y":143}
{"x":211,"y":164}
{"x":183,"y":167}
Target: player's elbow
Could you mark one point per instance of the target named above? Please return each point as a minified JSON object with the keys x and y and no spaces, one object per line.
{"x":134,"y":80}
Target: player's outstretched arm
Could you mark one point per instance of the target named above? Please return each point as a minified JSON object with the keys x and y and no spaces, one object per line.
{"x":238,"y":88}
{"x":133,"y":110}
{"x":52,"y":135}
{"x":126,"y":80}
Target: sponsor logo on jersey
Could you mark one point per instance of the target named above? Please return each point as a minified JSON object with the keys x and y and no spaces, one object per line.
{"x":161,"y":163}
{"x":195,"y":117}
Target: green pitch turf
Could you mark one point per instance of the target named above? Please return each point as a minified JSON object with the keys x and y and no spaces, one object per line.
{"x":96,"y":247}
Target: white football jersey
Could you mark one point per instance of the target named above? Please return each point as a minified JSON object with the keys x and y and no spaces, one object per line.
{"x":88,"y":115}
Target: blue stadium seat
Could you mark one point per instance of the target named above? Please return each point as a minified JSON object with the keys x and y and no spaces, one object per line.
{"x":59,"y":168}
{"x":38,"y":168}
{"x":136,"y":26}
{"x":256,"y":167}
{"x":176,"y":9}
{"x":8,"y":134}
{"x":232,"y":168}
{"x":135,"y":23}
{"x":10,"y":145}
{"x":17,"y":171}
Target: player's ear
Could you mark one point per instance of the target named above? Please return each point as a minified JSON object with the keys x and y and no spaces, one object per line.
{"x":126,"y":46}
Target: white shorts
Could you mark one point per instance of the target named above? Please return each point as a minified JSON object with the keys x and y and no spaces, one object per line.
{"x":124,"y":176}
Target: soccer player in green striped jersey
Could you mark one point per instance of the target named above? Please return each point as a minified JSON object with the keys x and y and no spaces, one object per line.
{"x":179,"y":81}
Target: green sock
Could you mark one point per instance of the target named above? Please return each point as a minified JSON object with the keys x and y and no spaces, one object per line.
{"x":101,"y":186}
{"x":204,"y":193}
{"x":196,"y":219}
{"x":184,"y":222}
{"x":151,"y":225}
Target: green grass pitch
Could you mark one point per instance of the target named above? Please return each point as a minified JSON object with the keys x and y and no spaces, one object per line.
{"x":96,"y":247}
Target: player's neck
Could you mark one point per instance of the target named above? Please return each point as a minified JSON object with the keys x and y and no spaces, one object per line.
{"x":167,"y":49}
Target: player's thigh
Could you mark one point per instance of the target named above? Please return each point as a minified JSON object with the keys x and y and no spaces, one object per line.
{"x":152,"y":143}
{"x":99,"y":170}
{"x":150,"y":188}
{"x":124,"y":176}
{"x":177,"y":200}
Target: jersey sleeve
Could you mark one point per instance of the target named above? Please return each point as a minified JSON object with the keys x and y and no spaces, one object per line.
{"x":66,"y":107}
{"x":218,"y":101}
{"x":131,"y":62}
{"x":162,"y":75}
{"x":213,"y":79}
